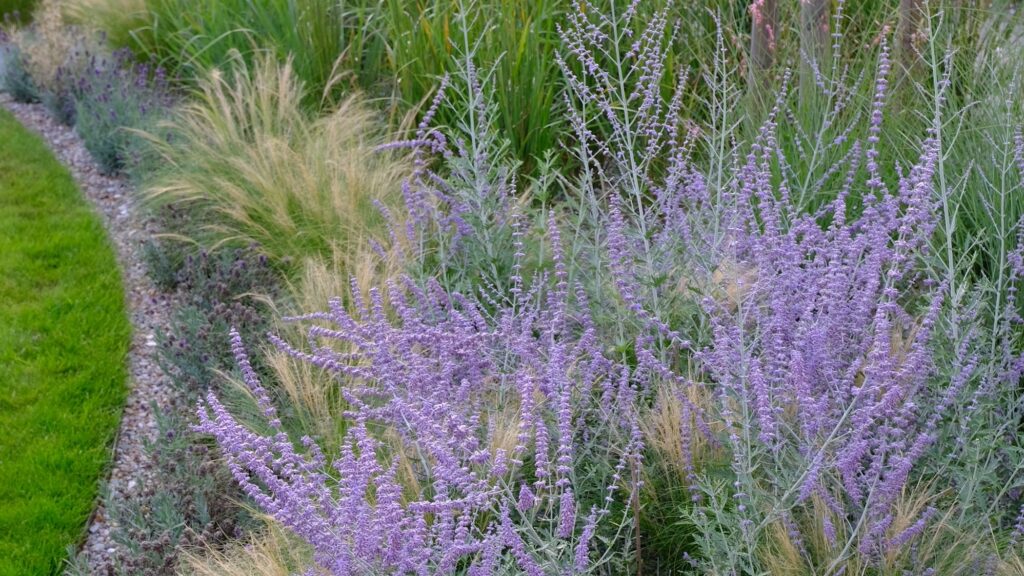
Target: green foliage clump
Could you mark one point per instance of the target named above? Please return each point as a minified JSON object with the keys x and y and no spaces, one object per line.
{"x":16,"y":80}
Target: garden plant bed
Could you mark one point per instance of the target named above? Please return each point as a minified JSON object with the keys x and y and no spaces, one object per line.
{"x":566,"y":288}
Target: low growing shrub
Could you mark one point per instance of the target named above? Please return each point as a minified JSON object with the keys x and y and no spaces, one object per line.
{"x":192,"y":502}
{"x":509,"y":444}
{"x":115,"y":96}
{"x":164,"y":261}
{"x":17,"y":81}
{"x":218,"y":292}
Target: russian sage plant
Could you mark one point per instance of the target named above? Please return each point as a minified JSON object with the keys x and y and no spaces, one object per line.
{"x":486,"y":443}
{"x":823,"y":388}
{"x":17,"y":81}
{"x":459,"y":201}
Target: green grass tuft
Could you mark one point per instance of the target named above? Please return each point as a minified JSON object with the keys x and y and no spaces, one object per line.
{"x":63,"y":339}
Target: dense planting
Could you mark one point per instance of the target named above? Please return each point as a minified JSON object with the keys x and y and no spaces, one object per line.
{"x":637,"y":288}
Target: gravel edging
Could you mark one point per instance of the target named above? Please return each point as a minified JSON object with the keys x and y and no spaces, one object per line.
{"x":133,"y":470}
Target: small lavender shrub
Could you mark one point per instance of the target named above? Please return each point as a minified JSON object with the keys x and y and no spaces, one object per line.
{"x":115,"y":95}
{"x":17,"y":81}
{"x":219,"y":291}
{"x":166,"y":257}
{"x":61,"y":106}
{"x":190,"y":502}
{"x":60,"y":99}
{"x":164,"y":262}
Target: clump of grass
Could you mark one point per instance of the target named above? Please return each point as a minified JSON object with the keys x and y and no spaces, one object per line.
{"x":270,"y":552}
{"x":262,"y":170}
{"x":514,"y":42}
{"x":192,"y":38}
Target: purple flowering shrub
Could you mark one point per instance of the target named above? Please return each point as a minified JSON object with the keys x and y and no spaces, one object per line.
{"x":822,"y":368}
{"x":831,"y":395}
{"x":838,"y":405}
{"x":114,"y":95}
{"x":478,"y":443}
{"x":217,"y":293}
{"x":643,"y":205}
{"x":458,"y":219}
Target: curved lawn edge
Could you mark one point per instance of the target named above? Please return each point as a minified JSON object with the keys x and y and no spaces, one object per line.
{"x":64,"y":335}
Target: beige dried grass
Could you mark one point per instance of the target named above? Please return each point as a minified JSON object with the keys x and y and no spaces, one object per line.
{"x":272,"y":551}
{"x":267,"y":172}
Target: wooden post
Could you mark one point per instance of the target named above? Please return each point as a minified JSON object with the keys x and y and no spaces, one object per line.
{"x":763,"y":34}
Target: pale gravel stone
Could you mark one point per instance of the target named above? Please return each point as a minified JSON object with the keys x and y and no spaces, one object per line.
{"x":128,"y":228}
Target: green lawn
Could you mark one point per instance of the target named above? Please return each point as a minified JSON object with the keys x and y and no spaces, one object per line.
{"x":63,"y":339}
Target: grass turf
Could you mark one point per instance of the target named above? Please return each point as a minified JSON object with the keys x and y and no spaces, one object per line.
{"x":63,"y":339}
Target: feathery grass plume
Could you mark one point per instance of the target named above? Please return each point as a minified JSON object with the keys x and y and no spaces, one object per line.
{"x":264,"y":171}
{"x":269,"y":552}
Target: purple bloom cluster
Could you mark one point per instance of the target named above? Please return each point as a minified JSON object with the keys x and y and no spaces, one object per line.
{"x":822,"y":370}
{"x":821,"y":360}
{"x":489,"y":414}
